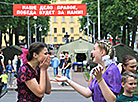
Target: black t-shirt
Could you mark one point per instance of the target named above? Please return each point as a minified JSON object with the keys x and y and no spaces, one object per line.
{"x":66,"y":61}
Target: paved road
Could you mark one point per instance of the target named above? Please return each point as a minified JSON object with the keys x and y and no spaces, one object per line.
{"x":55,"y":96}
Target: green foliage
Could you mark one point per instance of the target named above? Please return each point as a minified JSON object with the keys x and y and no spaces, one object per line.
{"x":113,"y":15}
{"x":20,"y":23}
{"x":87,"y":75}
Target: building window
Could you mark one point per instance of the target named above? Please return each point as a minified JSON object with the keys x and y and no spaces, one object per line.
{"x":55,"y":19}
{"x":72,"y":38}
{"x":55,"y":30}
{"x":72,"y":30}
{"x":55,"y":39}
{"x":71,"y":19}
{"x":63,"y":19}
{"x":63,"y":30}
{"x":63,"y":39}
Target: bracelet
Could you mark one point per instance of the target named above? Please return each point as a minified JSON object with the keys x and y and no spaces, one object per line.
{"x":99,"y":80}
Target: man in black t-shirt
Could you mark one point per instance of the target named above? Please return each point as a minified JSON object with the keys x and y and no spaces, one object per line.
{"x":66,"y":67}
{"x":67,"y":64}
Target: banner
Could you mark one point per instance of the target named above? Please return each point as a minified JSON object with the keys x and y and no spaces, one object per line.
{"x":49,"y":10}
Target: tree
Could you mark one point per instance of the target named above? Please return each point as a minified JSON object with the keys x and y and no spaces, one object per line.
{"x":18,"y":25}
{"x":114,"y":14}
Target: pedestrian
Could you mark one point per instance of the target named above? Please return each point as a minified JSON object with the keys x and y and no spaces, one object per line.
{"x":107,"y":82}
{"x":55,"y":64}
{"x":2,"y":66}
{"x":14,"y":63}
{"x":67,"y":64}
{"x":129,"y":63}
{"x":4,"y":80}
{"x":32,"y":79}
{"x":10,"y":70}
{"x":66,"y":68}
{"x":61,"y":61}
{"x":61,"y":55}
{"x":129,"y":83}
{"x":19,"y":62}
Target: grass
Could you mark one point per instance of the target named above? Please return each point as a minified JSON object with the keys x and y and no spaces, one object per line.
{"x":87,"y":75}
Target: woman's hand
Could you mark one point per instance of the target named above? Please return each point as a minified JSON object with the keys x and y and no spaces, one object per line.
{"x":60,"y":79}
{"x":98,"y":74}
{"x":46,"y":62}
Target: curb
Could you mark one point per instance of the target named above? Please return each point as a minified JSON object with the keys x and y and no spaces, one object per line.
{"x":53,"y":89}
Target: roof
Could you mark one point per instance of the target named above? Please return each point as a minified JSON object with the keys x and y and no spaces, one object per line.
{"x":122,"y":50}
{"x":76,"y":46}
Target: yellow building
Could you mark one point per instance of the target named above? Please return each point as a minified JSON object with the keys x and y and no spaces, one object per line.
{"x":60,"y":25}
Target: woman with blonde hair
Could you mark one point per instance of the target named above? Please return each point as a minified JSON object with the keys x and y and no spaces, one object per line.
{"x":107,"y":82}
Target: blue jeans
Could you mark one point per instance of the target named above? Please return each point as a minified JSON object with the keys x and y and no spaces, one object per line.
{"x":5,"y":86}
{"x":63,"y":72}
{"x":10,"y":78}
{"x":55,"y":71}
{"x":67,"y":72}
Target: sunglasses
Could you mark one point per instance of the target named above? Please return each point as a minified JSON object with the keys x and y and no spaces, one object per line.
{"x":133,"y":66}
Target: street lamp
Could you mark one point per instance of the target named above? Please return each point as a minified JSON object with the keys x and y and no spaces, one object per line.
{"x":40,"y":29}
{"x":51,"y":32}
{"x":88,"y":35}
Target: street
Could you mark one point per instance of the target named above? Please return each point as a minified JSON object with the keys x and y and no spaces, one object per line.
{"x":55,"y":96}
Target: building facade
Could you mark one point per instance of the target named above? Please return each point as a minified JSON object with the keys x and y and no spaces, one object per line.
{"x":62,"y":25}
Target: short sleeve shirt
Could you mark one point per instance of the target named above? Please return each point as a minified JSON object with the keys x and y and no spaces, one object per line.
{"x":26,"y":72}
{"x":112,"y":78}
{"x":66,"y":61}
{"x":123,"y":98}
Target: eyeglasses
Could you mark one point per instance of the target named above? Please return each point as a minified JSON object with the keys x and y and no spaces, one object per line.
{"x":133,"y":66}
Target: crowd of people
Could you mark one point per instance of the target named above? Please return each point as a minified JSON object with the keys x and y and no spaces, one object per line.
{"x":109,"y":81}
{"x":8,"y":73}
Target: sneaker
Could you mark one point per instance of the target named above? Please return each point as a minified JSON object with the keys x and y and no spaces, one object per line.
{"x":66,"y":84}
{"x":62,"y":84}
{"x":16,"y":89}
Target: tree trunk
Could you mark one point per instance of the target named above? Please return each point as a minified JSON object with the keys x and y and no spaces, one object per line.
{"x":128,"y":35}
{"x":106,"y":35}
{"x":10,"y":37}
{"x":134,"y":34}
{"x":16,"y":36}
{"x":124,"y":35}
{"x":0,"y":39}
{"x":5,"y":39}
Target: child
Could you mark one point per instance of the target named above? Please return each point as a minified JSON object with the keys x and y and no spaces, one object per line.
{"x":10,"y":70}
{"x":129,"y":83}
{"x":4,"y":80}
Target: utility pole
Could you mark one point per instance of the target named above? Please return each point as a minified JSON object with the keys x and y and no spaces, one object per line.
{"x":99,"y":20}
{"x":28,"y":32}
{"x":88,"y":35}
